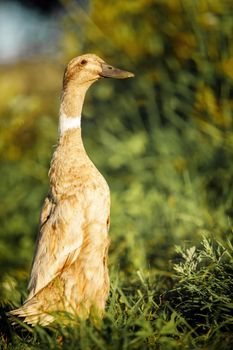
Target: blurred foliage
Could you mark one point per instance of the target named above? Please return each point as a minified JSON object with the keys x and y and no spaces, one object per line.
{"x":163,"y":140}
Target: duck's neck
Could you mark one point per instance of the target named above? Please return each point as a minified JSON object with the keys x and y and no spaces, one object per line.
{"x":68,"y":123}
{"x":71,"y":108}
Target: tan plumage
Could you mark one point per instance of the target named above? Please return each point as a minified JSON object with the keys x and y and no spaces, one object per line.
{"x":69,"y":270}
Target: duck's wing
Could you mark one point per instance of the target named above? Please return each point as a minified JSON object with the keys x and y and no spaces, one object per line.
{"x":59,"y":241}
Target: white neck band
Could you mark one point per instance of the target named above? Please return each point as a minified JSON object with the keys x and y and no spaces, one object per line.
{"x":67,"y":123}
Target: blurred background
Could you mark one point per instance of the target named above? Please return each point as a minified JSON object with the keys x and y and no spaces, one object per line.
{"x":163,"y":140}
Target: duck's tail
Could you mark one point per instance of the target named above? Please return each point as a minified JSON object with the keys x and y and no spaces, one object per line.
{"x":32,"y":313}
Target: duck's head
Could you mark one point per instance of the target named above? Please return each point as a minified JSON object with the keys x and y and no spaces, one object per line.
{"x":88,"y":68}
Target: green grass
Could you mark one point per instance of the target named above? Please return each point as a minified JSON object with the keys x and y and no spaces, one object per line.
{"x":188,"y":308}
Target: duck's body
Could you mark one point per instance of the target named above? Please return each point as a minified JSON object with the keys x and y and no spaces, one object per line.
{"x":69,"y":271}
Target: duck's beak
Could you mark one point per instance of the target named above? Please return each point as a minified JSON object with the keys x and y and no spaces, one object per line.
{"x":112,"y":72}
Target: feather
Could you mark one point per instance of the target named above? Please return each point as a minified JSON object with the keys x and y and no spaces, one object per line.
{"x":69,"y":270}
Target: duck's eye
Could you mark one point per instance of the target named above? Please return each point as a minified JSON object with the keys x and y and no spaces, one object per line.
{"x":83,"y":62}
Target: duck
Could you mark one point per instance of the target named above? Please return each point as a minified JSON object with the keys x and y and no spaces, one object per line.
{"x":70,"y":266}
